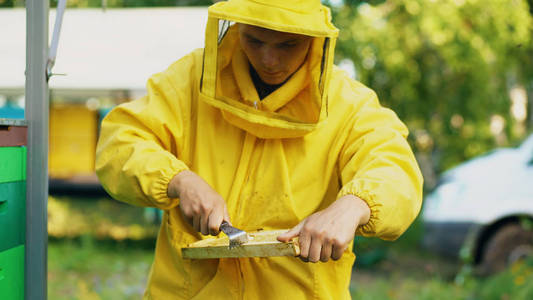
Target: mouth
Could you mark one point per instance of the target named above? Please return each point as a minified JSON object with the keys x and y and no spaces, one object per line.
{"x":272,"y":74}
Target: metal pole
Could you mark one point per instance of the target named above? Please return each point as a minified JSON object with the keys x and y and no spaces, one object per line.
{"x":52,"y":53}
{"x":37,"y":163}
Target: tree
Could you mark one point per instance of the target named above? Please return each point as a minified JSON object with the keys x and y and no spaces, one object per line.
{"x":446,"y":67}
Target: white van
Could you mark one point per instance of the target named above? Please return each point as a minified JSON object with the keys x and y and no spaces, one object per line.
{"x":483,"y":208}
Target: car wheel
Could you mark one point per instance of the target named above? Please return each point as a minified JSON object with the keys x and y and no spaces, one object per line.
{"x":507,"y":245}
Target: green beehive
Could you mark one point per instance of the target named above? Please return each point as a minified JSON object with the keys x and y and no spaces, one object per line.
{"x":12,"y":219}
{"x":12,"y":164}
{"x":12,"y":273}
{"x":12,"y":214}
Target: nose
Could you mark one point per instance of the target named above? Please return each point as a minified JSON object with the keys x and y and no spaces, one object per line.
{"x":270,"y":58}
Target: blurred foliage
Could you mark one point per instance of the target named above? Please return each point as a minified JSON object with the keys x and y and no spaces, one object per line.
{"x":9,"y":3}
{"x":445,"y":67}
{"x":100,"y":218}
{"x":409,"y":288}
{"x":88,"y":270}
{"x":514,"y":283}
{"x":405,"y":283}
{"x":404,"y":270}
{"x":372,"y":251}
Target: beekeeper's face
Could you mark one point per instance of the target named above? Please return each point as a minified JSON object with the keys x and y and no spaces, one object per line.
{"x":274,"y":55}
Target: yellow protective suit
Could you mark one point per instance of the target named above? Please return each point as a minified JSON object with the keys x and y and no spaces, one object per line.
{"x":275,"y":161}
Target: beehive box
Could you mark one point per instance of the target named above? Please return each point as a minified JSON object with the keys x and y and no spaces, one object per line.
{"x":12,"y":208}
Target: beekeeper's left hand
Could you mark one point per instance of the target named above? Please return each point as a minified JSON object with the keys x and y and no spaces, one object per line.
{"x":327,"y":233}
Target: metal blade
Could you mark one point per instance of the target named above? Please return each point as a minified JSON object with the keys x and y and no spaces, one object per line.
{"x":236,"y":236}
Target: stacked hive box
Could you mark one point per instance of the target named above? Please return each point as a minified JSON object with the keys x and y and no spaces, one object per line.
{"x":73,"y":131}
{"x":12,"y":208}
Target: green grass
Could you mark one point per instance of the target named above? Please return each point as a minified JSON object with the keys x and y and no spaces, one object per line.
{"x":98,"y":249}
{"x":102,"y":218}
{"x":86,"y":270}
{"x":101,"y":249}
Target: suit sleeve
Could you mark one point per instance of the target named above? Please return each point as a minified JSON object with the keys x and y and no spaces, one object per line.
{"x":378,"y":166}
{"x":141,"y":142}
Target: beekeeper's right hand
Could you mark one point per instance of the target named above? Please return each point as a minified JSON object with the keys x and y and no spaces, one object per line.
{"x":203,"y":208}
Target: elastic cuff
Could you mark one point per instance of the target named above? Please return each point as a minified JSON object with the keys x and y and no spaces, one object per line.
{"x":355,"y":188}
{"x":160,"y":187}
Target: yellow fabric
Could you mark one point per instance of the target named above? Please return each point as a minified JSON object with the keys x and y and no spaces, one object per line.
{"x":269,"y":182}
{"x":282,"y":114}
{"x":290,"y":111}
{"x":279,"y":15}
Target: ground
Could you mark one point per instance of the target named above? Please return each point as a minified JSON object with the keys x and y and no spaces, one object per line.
{"x":102,"y":249}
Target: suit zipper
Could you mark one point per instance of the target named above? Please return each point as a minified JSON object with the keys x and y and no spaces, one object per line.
{"x":249,"y":143}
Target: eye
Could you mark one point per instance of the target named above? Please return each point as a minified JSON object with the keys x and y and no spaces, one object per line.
{"x":288,"y":45}
{"x":254,"y":42}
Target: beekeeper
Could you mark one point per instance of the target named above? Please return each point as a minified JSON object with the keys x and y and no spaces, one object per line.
{"x":259,"y":128}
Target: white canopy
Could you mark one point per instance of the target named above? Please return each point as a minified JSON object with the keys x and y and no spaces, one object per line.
{"x":116,"y":49}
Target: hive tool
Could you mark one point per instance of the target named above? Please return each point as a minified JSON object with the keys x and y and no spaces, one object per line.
{"x":236,"y":236}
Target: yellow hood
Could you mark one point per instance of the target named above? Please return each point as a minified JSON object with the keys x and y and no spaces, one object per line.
{"x":294,"y":109}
